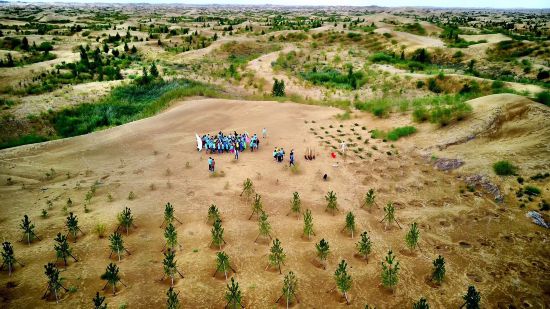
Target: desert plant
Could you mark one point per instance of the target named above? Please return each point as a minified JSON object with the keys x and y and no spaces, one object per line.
{"x":54,"y":281}
{"x":8,"y":257}
{"x":69,"y":202}
{"x":290,"y":286}
{"x":98,"y":301}
{"x":368,"y":201}
{"x":278,"y":88}
{"x":364,"y":246}
{"x":131,"y":195}
{"x":213,"y":213}
{"x":332,"y":204}
{"x":350,"y":223}
{"x":264,"y":226}
{"x":99,"y":229}
{"x":471,"y":299}
{"x":112,"y":277}
{"x":28,"y":229}
{"x":276,"y":255}
{"x":117,"y":245}
{"x":223,"y":264}
{"x":438,"y":272}
{"x":171,"y":237}
{"x":248,"y":188}
{"x":172,"y":301}
{"x":233,"y":295}
{"x":390,"y":271}
{"x":323,"y":249}
{"x":343,"y":279}
{"x":422,"y":303}
{"x":504,"y":168}
{"x":308,"y":224}
{"x":412,"y":236}
{"x":389,"y":215}
{"x":257,"y":207}
{"x":217,"y":234}
{"x":72,"y":225}
{"x":169,"y":266}
{"x":169,"y":215}
{"x":44,"y":213}
{"x":295,"y":204}
{"x":62,"y":249}
{"x":125,"y":219}
{"x":88,"y":197}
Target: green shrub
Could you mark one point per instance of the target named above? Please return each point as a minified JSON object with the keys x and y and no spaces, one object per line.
{"x":544,"y":97}
{"x":531,"y":191}
{"x":504,"y":168}
{"x":397,"y":133}
{"x":23,"y":140}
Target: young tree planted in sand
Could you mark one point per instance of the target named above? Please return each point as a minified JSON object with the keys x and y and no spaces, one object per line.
{"x":223,"y":264}
{"x":28,"y":229}
{"x":264,"y":226}
{"x":233,"y":295}
{"x":278,"y":88}
{"x":8,"y":257}
{"x":295,"y":204}
{"x":471,"y":299}
{"x":276,"y":255}
{"x":390,"y":271}
{"x":217,"y":234}
{"x":350,"y":223}
{"x":54,"y":281}
{"x":290,"y":286}
{"x":412,"y":236}
{"x":422,"y":303}
{"x":332,"y":204}
{"x":112,"y":277}
{"x":343,"y":279}
{"x":125,"y":219}
{"x":169,"y":215}
{"x":99,"y":301}
{"x":171,"y":237}
{"x":364,"y":246}
{"x":117,"y":245}
{"x":368,"y":201}
{"x":62,"y":249}
{"x":308,"y":224}
{"x":72,"y":225}
{"x":323,"y":249}
{"x":169,"y":266}
{"x":172,"y":301}
{"x":248,"y":188}
{"x":438,"y":272}
{"x":257,"y":207}
{"x":389,"y":215}
{"x":213,"y":214}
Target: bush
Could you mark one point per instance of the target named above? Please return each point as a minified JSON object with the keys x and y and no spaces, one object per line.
{"x":543,"y":97}
{"x":23,"y":140}
{"x":397,"y":133}
{"x":504,"y":168}
{"x":531,"y":191}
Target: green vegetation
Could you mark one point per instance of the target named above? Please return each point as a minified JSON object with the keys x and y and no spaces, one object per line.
{"x":504,"y":168}
{"x":332,"y":78}
{"x":414,"y":28}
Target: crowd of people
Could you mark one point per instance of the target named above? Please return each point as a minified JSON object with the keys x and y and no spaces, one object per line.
{"x":230,"y":143}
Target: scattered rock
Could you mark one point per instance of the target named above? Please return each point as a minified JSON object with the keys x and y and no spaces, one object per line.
{"x":444,"y":164}
{"x":484,"y":182}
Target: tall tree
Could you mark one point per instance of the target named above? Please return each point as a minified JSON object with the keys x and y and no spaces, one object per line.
{"x":276,"y":256}
{"x":471,"y":299}
{"x":422,"y":303}
{"x":364,"y":246}
{"x":28,"y":229}
{"x":233,"y":295}
{"x":264,"y":226}
{"x":295,"y":205}
{"x":112,"y":277}
{"x":332,"y":203}
{"x":323,"y":249}
{"x":117,"y":245}
{"x":290,"y":286}
{"x":98,"y":301}
{"x":369,"y":199}
{"x":171,"y":237}
{"x":8,"y":257}
{"x":308,"y":224}
{"x":223,"y":264}
{"x":169,"y":266}
{"x":54,"y":281}
{"x":62,"y":249}
{"x":390,"y":271}
{"x":172,"y":301}
{"x":350,"y":223}
{"x":72,"y":225}
{"x":343,"y":279}
{"x":438,"y":272}
{"x":125,"y":219}
{"x":213,"y":214}
{"x":217,"y":234}
{"x":389,"y":215}
{"x":257,"y":207}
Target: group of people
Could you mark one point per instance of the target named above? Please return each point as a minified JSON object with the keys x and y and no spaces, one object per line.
{"x":279,"y":155}
{"x":230,"y":143}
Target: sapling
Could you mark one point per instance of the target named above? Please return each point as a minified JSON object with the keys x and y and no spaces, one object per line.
{"x":438,"y":272}
{"x":169,"y":266}
{"x":169,"y":215}
{"x":471,"y":299}
{"x":213,"y":214}
{"x":264,"y":227}
{"x":390,"y":271}
{"x":290,"y":286}
{"x":171,"y":237}
{"x":276,"y":255}
{"x":217,"y":234}
{"x":54,"y":282}
{"x":248,"y":188}
{"x":223,"y":264}
{"x":368,"y":201}
{"x":98,"y":301}
{"x":233,"y":295}
{"x":172,"y":301}
{"x":308,"y":224}
{"x":350,"y":223}
{"x":422,"y":303}
{"x":412,"y":236}
{"x":364,"y":246}
{"x":257,"y":207}
{"x":332,"y":204}
{"x":72,"y":225}
{"x":323,"y":249}
{"x":295,"y":205}
{"x":44,"y":213}
{"x":28,"y":229}
{"x":8,"y":257}
{"x":117,"y":245}
{"x":112,"y":277}
{"x":62,"y":249}
{"x":343,"y":279}
{"x":389,"y":215}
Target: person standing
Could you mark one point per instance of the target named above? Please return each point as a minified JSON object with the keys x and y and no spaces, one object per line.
{"x":210,"y":164}
{"x":213,"y":165}
{"x":236,"y":154}
{"x":291,"y":158}
{"x":264,"y":133}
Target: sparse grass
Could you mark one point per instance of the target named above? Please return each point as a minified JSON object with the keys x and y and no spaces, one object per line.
{"x":99,"y":230}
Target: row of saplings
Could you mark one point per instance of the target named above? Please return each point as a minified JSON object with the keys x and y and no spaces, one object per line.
{"x":276,"y":257}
